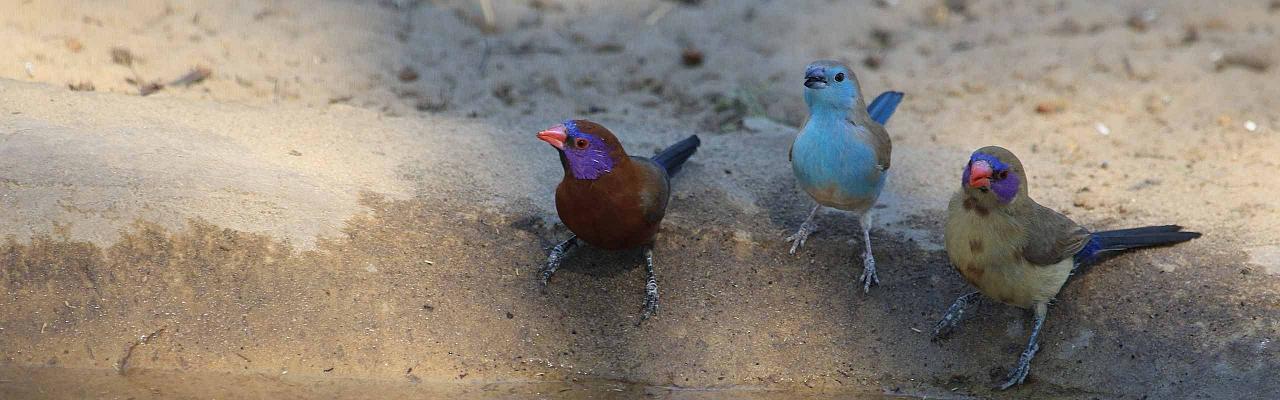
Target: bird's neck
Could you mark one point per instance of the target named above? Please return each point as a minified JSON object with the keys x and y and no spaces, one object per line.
{"x":619,"y":162}
{"x":824,"y":106}
{"x":827,"y":120}
{"x":822,"y":117}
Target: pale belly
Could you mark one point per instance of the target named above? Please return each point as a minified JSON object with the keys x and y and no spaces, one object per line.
{"x":837,"y":172}
{"x":994,"y":264}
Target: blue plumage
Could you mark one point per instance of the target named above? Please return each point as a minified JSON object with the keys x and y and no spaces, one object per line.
{"x":841,"y":158}
{"x":883,"y":106}
{"x":835,"y":166}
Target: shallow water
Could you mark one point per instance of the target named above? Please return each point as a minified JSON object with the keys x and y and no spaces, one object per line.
{"x":56,"y":382}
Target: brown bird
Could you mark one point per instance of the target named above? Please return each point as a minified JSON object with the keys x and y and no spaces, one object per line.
{"x":1019,"y":252}
{"x":609,"y":199}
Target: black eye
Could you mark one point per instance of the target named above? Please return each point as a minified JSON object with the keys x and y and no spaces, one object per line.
{"x":1002,"y":174}
{"x":840,"y":77}
{"x":580,"y":143}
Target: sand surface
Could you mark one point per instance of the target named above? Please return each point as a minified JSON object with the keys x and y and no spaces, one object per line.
{"x":353,"y":204}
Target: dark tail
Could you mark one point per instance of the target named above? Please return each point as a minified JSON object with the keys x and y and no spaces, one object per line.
{"x":674,"y":157}
{"x":883,"y":106}
{"x":1105,"y":243}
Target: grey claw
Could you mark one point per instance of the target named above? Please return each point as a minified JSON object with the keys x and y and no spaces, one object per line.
{"x":951,"y":318}
{"x":797,"y":240}
{"x":1019,"y":375}
{"x":869,"y":276}
{"x":941,"y":331}
{"x":650,"y":306}
{"x":555,"y":257}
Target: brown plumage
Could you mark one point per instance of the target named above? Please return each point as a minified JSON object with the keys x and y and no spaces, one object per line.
{"x":609,"y":199}
{"x":619,"y":210}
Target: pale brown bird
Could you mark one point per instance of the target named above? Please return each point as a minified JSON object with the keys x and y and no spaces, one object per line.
{"x":1018,"y":252}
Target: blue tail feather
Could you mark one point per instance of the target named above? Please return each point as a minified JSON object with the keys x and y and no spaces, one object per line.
{"x":883,"y":106}
{"x":1104,"y":242}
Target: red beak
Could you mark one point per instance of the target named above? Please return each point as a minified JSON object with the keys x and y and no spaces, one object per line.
{"x":554,"y":136}
{"x":979,"y":174}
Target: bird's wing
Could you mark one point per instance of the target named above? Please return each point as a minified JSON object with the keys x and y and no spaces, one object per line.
{"x":1051,"y":237}
{"x":792,"y":150}
{"x":879,"y":137}
{"x":656,"y":189}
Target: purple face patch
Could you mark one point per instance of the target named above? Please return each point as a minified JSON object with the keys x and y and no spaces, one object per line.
{"x":587,"y":154}
{"x":1004,"y":182}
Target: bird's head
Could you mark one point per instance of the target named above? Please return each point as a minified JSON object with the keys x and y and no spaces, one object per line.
{"x":830,"y":84}
{"x":587,"y":149}
{"x":994,"y":176}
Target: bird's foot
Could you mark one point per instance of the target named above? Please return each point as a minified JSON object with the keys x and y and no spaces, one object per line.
{"x":797,"y":239}
{"x":557,"y":255}
{"x":650,"y":288}
{"x":951,"y":319}
{"x":650,"y":301}
{"x":945,"y":327}
{"x":1019,"y":373}
{"x":869,"y":276}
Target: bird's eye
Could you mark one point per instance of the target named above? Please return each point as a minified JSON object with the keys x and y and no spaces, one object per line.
{"x":840,"y":77}
{"x":1002,"y":174}
{"x":580,"y":143}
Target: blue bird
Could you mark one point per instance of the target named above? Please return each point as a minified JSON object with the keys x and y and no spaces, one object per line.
{"x":841,"y":157}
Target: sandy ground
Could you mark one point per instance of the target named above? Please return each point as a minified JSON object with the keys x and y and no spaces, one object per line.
{"x":353,"y":204}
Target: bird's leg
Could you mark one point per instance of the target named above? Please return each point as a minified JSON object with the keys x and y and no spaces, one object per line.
{"x":808,"y":227}
{"x":868,"y":261}
{"x":1019,"y":373}
{"x":650,"y":287}
{"x":954,"y":315}
{"x":557,"y":256}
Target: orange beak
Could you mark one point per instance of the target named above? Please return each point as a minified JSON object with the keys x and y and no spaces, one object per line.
{"x":980,"y":174}
{"x":554,"y":136}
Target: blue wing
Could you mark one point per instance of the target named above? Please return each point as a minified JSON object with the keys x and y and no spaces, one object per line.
{"x":883,"y":106}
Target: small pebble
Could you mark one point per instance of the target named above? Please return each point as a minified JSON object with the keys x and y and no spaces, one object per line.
{"x":691,"y":57}
{"x":937,"y":15}
{"x":408,"y":74}
{"x":122,"y":56}
{"x":1050,"y":107}
{"x":1190,"y":35}
{"x":1248,"y":60}
{"x":1102,"y":129}
{"x":73,"y":44}
{"x":1142,"y":20}
{"x":873,"y":61}
{"x":1250,"y":126}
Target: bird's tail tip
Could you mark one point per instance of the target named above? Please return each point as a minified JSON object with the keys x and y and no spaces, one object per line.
{"x":673,"y":157}
{"x":884,"y":105}
{"x":1107,"y":243}
{"x":1149,"y":236}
